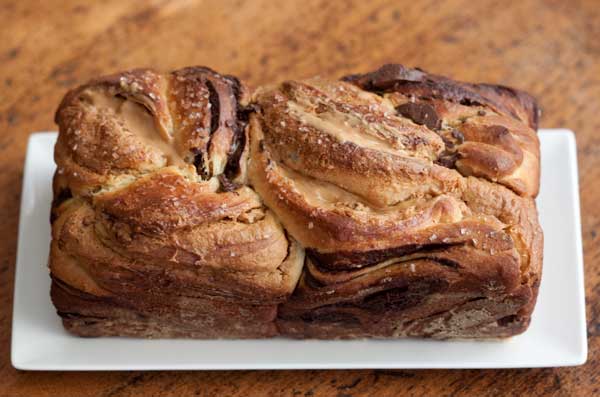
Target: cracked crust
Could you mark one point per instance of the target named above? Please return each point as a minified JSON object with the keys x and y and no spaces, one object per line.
{"x":390,"y":204}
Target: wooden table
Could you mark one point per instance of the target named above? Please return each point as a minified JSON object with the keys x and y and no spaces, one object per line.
{"x":550,"y":48}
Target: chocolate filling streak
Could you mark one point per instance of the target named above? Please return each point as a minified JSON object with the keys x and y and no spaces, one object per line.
{"x":452,"y":139}
{"x":200,"y":164}
{"x":395,"y":299}
{"x":391,"y":276}
{"x":215,"y":103}
{"x":379,"y":300}
{"x":232,"y":168}
{"x":214,"y":99}
{"x":425,"y":114}
{"x":226,"y":185}
{"x":448,"y":159}
{"x":63,"y":195}
{"x":343,"y":260}
{"x":421,"y":113}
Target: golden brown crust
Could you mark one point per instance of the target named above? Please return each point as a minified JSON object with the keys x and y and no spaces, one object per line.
{"x":184,"y":208}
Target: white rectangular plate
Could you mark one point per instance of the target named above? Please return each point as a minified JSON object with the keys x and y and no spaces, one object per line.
{"x":556,"y":337}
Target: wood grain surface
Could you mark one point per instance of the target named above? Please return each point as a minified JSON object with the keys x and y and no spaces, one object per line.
{"x":550,"y":48}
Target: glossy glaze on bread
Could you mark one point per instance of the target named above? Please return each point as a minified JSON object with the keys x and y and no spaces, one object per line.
{"x":394,"y":203}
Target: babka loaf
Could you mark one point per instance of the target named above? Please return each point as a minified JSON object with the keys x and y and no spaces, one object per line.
{"x":390,"y":204}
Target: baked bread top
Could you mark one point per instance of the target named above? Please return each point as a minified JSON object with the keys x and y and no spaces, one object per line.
{"x":189,"y":170}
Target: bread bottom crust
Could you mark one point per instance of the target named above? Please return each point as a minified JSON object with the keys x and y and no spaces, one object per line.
{"x":471,"y":318}
{"x":468,"y":317}
{"x":91,"y":316}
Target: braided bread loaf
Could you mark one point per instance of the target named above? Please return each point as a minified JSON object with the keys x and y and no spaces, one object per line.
{"x":395,"y":203}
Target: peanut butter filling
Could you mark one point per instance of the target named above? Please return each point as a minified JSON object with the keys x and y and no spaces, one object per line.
{"x":138,"y":120}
